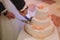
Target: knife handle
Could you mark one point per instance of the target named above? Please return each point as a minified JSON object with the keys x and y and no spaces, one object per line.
{"x":29,"y":19}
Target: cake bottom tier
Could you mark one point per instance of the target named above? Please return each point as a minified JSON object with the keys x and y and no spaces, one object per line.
{"x":25,"y":36}
{"x":40,"y":33}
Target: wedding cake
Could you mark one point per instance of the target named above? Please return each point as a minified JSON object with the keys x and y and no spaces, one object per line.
{"x":41,"y":25}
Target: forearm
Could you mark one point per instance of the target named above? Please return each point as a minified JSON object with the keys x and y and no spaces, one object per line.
{"x":11,"y":8}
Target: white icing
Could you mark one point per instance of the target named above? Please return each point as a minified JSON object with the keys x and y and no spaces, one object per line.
{"x":43,"y":23}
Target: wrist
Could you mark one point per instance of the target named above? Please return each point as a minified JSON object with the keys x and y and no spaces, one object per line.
{"x":5,"y":13}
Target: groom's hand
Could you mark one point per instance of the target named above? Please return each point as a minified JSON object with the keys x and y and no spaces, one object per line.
{"x":10,"y":15}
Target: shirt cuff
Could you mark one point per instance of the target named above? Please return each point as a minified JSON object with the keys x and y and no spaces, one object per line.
{"x":3,"y":11}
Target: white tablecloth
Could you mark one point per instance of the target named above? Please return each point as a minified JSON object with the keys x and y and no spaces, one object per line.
{"x":10,"y":28}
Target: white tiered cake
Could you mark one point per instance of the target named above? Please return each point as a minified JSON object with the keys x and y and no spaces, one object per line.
{"x":41,"y":25}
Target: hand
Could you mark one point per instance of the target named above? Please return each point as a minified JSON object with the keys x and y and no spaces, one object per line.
{"x":32,"y":7}
{"x":56,"y":20}
{"x":10,"y":15}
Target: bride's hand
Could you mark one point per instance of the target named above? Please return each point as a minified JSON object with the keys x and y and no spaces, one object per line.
{"x":32,"y":7}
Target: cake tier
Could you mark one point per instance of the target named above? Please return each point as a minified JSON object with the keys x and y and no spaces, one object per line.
{"x":42,"y":7}
{"x":45,"y":9}
{"x":41,"y":15}
{"x":43,"y":23}
{"x":39,"y":33}
{"x":41,"y":12}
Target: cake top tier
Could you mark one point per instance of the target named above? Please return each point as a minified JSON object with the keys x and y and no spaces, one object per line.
{"x":42,"y":7}
{"x":41,"y":11}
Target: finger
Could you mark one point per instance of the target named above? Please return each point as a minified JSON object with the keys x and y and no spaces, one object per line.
{"x":13,"y":16}
{"x":10,"y":17}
